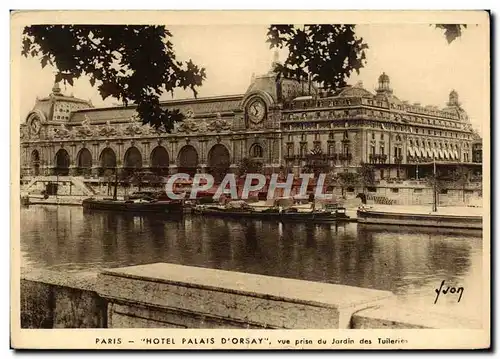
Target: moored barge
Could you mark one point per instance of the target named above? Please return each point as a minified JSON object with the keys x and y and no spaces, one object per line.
{"x":369,"y":216}
{"x":134,"y":206}
{"x":327,"y":215}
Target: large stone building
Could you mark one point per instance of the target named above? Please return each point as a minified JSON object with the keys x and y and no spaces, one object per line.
{"x":285,"y":124}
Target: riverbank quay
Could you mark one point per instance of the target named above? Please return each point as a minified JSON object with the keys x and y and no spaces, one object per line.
{"x":162,"y":295}
{"x":58,"y":200}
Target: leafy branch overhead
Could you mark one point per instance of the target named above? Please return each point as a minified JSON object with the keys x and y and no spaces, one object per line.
{"x":451,"y":31}
{"x":135,"y":64}
{"x":326,"y":53}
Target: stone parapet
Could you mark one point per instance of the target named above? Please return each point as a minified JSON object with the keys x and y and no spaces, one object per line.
{"x":165,"y":295}
{"x":215,"y":298}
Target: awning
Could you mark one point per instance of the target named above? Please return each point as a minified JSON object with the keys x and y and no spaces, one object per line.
{"x":446,"y":155}
{"x":441,"y":155}
{"x":434,"y":153}
{"x":411,"y":151}
{"x":417,"y":152}
{"x":457,"y":157}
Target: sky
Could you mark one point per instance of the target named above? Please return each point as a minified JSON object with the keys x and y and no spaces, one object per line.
{"x":422,"y":66}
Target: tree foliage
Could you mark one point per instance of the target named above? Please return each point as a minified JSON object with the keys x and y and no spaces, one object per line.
{"x":248,"y":165}
{"x":452,"y":31}
{"x":347,"y":179}
{"x":366,"y":175}
{"x":135,"y":64}
{"x":437,"y":180}
{"x":328,"y":54}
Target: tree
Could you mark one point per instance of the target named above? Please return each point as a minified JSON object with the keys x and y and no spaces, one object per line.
{"x":346,"y":180}
{"x":366,"y":176}
{"x":135,"y":64}
{"x":437,"y":182}
{"x":460,"y":176}
{"x":327,"y":54}
{"x":451,"y":31}
{"x":248,"y":165}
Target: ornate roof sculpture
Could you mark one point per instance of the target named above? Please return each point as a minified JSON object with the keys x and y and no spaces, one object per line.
{"x":353,"y":91}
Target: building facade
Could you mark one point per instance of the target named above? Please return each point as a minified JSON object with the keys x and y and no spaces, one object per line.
{"x":284,"y":124}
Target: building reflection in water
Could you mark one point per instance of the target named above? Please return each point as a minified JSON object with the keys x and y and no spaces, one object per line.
{"x":407,"y":261}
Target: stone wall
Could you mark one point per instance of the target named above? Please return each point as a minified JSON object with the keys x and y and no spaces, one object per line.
{"x":61,"y":300}
{"x":164,"y":295}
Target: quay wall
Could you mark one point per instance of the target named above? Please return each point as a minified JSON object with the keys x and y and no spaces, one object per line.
{"x":385,"y":192}
{"x":162,"y":295}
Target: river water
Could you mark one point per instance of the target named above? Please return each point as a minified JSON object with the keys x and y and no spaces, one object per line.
{"x":409,"y":262}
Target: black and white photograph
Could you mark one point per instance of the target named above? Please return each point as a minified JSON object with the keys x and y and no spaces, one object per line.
{"x":212,"y":179}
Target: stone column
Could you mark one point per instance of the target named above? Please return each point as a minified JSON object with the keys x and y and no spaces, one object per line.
{"x":95,"y":171}
{"x":172,"y":169}
{"x":73,"y":170}
{"x":146,"y":156}
{"x":203,"y":149}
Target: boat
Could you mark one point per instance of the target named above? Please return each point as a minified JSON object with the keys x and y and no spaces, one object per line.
{"x":415,"y":218}
{"x":135,"y":206}
{"x":138,"y":202}
{"x":432,"y":219}
{"x":328,"y":214}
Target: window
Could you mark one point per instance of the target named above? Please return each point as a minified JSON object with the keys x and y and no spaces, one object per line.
{"x":331,"y":149}
{"x":373,"y":135}
{"x":256,"y":151}
{"x":290,"y":151}
{"x":382,"y":149}
{"x":381,"y":136}
{"x":371,"y":189}
{"x":304,"y":137}
{"x":302,"y":150}
{"x":346,"y":149}
{"x":443,"y":191}
{"x":381,"y":173}
{"x":417,"y":190}
{"x":395,"y":190}
{"x":316,"y":137}
{"x":331,"y":136}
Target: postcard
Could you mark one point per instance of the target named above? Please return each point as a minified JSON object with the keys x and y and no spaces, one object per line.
{"x":250,"y":180}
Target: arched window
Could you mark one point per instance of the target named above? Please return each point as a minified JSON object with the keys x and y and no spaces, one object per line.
{"x":256,"y":151}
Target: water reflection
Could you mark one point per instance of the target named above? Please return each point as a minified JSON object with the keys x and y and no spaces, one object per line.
{"x":406,"y":261}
